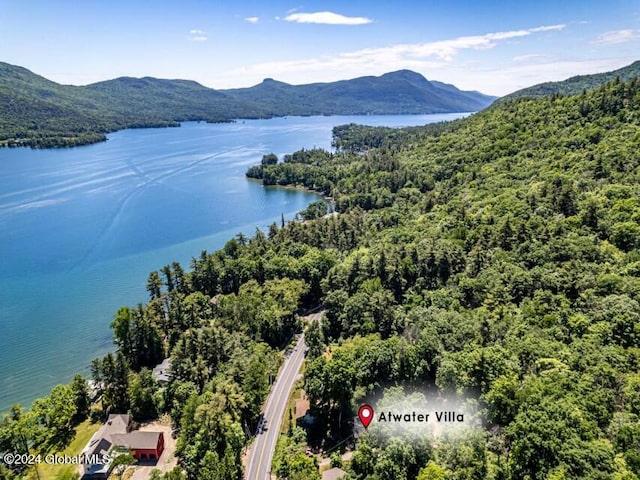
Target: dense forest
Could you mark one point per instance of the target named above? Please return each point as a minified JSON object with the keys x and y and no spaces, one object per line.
{"x":495,"y":259}
{"x":40,"y":113}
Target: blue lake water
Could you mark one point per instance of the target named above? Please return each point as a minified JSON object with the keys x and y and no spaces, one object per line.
{"x":81,"y":228}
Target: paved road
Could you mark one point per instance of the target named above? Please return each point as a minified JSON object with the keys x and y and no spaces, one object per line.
{"x":261,"y":453}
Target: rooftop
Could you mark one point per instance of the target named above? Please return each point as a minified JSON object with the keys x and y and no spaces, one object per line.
{"x":137,"y":440}
{"x":117,"y":432}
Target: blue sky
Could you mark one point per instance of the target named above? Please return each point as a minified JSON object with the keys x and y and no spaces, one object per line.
{"x":495,"y":47}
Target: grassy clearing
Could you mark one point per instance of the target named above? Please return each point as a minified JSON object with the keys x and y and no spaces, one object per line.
{"x":84,"y":432}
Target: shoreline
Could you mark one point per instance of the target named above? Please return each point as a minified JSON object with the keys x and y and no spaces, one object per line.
{"x":330,"y":200}
{"x":64,"y":142}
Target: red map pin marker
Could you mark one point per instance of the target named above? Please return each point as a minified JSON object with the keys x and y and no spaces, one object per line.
{"x":365,"y":413}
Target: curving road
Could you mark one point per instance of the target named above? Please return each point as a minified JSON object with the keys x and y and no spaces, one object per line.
{"x":261,"y":452}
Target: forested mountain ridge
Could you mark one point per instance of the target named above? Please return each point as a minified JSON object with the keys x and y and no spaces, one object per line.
{"x":401,"y":92}
{"x":495,"y":260}
{"x":37,"y":112}
{"x":575,"y":85}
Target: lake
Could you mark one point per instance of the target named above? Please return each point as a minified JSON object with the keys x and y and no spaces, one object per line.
{"x":81,"y":228}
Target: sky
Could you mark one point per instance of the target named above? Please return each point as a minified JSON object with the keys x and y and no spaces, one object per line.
{"x":493,"y":47}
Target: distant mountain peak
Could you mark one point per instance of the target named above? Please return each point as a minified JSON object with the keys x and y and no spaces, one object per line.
{"x":272,"y":82}
{"x":410,"y":74}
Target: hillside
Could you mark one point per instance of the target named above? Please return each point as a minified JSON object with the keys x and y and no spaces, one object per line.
{"x":173,"y":100}
{"x":38,"y":112}
{"x":33,"y":108}
{"x":575,"y":85}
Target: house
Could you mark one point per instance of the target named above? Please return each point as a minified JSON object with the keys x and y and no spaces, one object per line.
{"x":117,"y":432}
{"x":96,"y":449}
{"x":333,"y":474}
{"x":143,"y":445}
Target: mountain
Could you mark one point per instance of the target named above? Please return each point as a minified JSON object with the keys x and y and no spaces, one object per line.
{"x":31,"y":104}
{"x":37,"y":112}
{"x":575,"y":85}
{"x":401,"y":92}
{"x":174,"y":100}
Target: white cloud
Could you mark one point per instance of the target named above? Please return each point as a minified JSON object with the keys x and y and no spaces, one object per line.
{"x":329,"y":18}
{"x":252,"y":19}
{"x":447,"y":49}
{"x":371,"y":60}
{"x":548,"y":28}
{"x":617,"y":36}
{"x":196,"y":35}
